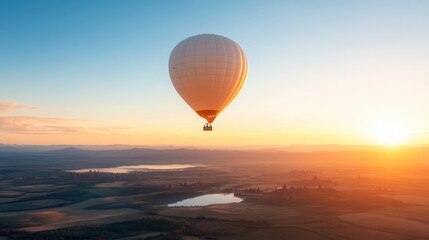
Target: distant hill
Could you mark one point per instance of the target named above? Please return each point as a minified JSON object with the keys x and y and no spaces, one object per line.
{"x":7,"y":148}
{"x":68,"y":150}
{"x":124,"y":147}
{"x":75,"y":158}
{"x":42,"y":148}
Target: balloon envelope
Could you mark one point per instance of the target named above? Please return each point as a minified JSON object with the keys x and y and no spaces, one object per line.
{"x":208,"y":71}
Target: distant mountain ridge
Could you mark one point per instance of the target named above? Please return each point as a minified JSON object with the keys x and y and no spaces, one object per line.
{"x":43,"y":148}
{"x":287,"y":148}
{"x":76,"y":158}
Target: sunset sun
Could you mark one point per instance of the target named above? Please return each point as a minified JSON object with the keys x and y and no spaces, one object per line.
{"x":390,"y":132}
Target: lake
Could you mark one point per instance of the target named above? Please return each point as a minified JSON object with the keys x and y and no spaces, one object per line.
{"x":207,"y":199}
{"x":127,"y":169}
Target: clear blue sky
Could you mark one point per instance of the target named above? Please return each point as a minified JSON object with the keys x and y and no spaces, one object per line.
{"x":315,"y":68}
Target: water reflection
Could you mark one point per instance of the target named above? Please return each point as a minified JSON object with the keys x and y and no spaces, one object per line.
{"x":127,"y":169}
{"x":207,"y":199}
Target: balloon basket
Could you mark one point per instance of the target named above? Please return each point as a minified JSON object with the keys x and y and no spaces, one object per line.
{"x":207,"y":127}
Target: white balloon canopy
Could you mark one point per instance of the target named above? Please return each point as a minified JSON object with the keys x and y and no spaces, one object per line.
{"x":208,"y":71}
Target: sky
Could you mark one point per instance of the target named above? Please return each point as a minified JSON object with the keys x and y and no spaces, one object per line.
{"x":320,"y":72}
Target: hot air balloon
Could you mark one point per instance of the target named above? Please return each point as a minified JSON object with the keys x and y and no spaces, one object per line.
{"x":208,"y":71}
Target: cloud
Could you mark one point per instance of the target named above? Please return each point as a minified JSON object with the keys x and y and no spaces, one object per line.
{"x":48,"y":125}
{"x":51,"y":125}
{"x":8,"y":106}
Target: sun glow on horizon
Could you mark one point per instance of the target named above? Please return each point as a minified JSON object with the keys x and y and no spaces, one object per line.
{"x":390,"y":132}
